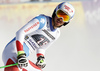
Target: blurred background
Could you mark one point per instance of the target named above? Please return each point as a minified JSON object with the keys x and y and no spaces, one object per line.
{"x":77,"y":49}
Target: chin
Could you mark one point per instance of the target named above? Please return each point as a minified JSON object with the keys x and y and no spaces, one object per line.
{"x":57,"y":26}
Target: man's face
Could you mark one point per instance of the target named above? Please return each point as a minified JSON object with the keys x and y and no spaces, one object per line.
{"x":57,"y":22}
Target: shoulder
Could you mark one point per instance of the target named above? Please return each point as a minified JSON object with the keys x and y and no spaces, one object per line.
{"x":41,"y":16}
{"x":42,"y":20}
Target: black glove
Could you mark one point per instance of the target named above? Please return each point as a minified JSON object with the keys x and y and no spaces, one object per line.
{"x":22,"y":60}
{"x":41,"y":62}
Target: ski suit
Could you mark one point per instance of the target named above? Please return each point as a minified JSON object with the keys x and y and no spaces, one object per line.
{"x":37,"y":35}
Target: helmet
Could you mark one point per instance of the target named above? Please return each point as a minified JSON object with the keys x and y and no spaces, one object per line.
{"x":66,"y":8}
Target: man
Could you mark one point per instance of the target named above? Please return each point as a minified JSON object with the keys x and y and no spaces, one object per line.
{"x":38,"y":34}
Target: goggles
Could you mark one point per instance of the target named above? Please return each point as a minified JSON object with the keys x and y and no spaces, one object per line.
{"x":61,"y":14}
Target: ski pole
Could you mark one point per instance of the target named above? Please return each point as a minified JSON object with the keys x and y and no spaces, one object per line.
{"x":9,"y":65}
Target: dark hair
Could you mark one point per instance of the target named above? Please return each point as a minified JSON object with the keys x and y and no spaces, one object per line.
{"x":53,"y":15}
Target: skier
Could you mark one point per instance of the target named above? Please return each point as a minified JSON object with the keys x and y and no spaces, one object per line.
{"x":37,"y":35}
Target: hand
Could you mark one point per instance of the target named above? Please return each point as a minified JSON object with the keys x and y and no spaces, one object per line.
{"x":22,"y":60}
{"x":41,"y":62}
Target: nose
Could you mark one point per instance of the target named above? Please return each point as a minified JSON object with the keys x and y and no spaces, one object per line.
{"x":61,"y":19}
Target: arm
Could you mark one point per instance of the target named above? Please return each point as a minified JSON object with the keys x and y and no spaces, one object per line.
{"x":33,"y":25}
{"x":41,"y":52}
{"x":28,"y":28}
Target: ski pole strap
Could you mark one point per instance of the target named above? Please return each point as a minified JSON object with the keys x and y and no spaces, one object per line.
{"x":9,"y":65}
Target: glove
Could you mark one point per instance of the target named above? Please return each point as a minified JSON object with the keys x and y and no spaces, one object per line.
{"x":22,"y":60}
{"x":41,"y":62}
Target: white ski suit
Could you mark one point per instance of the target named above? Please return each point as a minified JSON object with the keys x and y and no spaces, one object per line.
{"x":38,"y":34}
